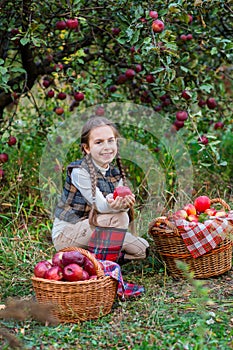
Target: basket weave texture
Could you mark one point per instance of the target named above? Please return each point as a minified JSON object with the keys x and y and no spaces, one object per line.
{"x":171,"y":248}
{"x":78,"y":301}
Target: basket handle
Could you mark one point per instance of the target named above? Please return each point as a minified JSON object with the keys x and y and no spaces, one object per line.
{"x":163,"y":220}
{"x":90,"y":256}
{"x":221,"y":201}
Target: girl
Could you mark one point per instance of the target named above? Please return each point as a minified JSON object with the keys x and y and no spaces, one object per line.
{"x":87,"y":200}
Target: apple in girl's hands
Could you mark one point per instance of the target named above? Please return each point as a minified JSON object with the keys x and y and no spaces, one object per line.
{"x":121,"y":191}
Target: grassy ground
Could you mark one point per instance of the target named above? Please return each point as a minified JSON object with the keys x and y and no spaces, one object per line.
{"x":171,"y":314}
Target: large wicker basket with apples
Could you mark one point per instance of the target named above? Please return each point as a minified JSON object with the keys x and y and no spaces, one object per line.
{"x":75,"y":283}
{"x":171,"y":247}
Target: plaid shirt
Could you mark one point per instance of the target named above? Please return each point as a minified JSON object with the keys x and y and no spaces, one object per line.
{"x":72,"y":206}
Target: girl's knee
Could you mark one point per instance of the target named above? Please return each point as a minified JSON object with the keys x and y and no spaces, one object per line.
{"x":120,"y":220}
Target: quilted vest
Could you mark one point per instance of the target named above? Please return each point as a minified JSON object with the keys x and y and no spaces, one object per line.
{"x":73,"y":207}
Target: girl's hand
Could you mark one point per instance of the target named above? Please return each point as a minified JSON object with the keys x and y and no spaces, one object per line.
{"x":120,"y":203}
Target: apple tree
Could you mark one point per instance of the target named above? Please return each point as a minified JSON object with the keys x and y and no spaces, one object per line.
{"x":174,"y":57}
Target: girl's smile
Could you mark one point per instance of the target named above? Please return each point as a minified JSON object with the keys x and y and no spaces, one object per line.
{"x":102,"y":145}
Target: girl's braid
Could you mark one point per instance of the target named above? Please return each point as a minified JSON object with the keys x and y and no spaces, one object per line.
{"x":122,"y":171}
{"x":93,"y":212}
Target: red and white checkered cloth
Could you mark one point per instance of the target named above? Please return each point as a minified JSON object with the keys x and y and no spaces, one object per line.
{"x":201,"y":238}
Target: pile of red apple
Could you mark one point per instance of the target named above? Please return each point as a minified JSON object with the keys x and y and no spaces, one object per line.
{"x":66,"y":266}
{"x":199,"y":211}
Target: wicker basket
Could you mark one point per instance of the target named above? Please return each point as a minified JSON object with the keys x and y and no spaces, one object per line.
{"x":171,"y":247}
{"x":78,"y":301}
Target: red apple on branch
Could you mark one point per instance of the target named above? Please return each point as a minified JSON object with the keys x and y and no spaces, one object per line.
{"x":3,"y":157}
{"x":153,"y":14}
{"x":12,"y":140}
{"x":181,"y":115}
{"x":61,"y":25}
{"x":158,"y":26}
{"x":72,"y":23}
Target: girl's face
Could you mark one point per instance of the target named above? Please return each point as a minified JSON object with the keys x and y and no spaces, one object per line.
{"x":102,"y":145}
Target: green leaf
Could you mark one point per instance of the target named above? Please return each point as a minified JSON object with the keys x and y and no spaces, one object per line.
{"x":24,"y":41}
{"x":206,"y":88}
{"x":18,"y":70}
{"x":214,"y":50}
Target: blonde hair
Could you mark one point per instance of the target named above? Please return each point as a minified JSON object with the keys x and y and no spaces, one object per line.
{"x":92,"y":123}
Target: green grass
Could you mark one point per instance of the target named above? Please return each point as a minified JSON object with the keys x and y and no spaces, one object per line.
{"x":171,"y":314}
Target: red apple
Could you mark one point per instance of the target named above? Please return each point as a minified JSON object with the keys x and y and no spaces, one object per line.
{"x":57,"y":258}
{"x":210,"y":211}
{"x":189,"y":36}
{"x":73,"y":257}
{"x":121,"y":79}
{"x":180,"y":214}
{"x":73,"y":272}
{"x":61,"y":95}
{"x":203,"y":139}
{"x":72,"y":23}
{"x":86,"y":276}
{"x":130,"y":73}
{"x":12,"y":140}
{"x":190,"y":209}
{"x":138,"y":68}
{"x":178,"y":124}
{"x":3,"y":157}
{"x":202,"y":203}
{"x":181,"y":115}
{"x":211,"y":103}
{"x":54,"y":273}
{"x":46,"y":83}
{"x":193,"y":218}
{"x":201,"y":103}
{"x":41,"y":267}
{"x":183,"y":37}
{"x":190,"y":18}
{"x":50,"y":93}
{"x":158,"y":26}
{"x":112,"y":88}
{"x":59,"y":110}
{"x":78,"y":96}
{"x":218,"y":125}
{"x":93,"y":277}
{"x":149,"y":78}
{"x":153,"y":14}
{"x":61,"y":25}
{"x":89,"y":267}
{"x":116,"y":31}
{"x":121,"y":191}
{"x":186,"y":94}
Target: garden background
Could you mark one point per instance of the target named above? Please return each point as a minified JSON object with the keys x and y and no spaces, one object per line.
{"x":163,"y":71}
